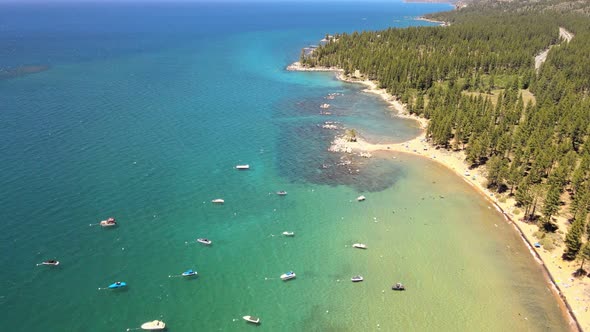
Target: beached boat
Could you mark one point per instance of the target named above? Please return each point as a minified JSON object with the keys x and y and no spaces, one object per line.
{"x":118,"y":284}
{"x":399,"y":287}
{"x":189,"y":273}
{"x":243,"y":167}
{"x":288,"y":276}
{"x":282,"y":193}
{"x":252,"y":319}
{"x":357,"y":278}
{"x":361,"y":198}
{"x":359,"y":246}
{"x":50,"y":262}
{"x":288,"y":233}
{"x":204,"y":241}
{"x":108,"y":223}
{"x":153,"y":325}
{"x":218,"y":201}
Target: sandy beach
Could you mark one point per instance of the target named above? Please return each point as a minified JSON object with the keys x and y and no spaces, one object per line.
{"x":441,"y":23}
{"x":574,"y":293}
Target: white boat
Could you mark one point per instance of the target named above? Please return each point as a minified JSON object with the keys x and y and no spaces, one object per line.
{"x":288,"y":276}
{"x":282,"y":193}
{"x":357,"y":278}
{"x":288,"y":233}
{"x":398,"y":287}
{"x":189,"y":273}
{"x":359,"y":246}
{"x":252,"y":319}
{"x":218,"y":201}
{"x":153,"y":325}
{"x":361,"y":198}
{"x":108,"y":223}
{"x":204,"y":241}
{"x":242,"y":167}
{"x":51,"y":262}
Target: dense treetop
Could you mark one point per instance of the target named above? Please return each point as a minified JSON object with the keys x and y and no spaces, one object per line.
{"x":469,"y":79}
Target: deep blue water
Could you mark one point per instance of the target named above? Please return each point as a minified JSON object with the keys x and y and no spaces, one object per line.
{"x":141,"y":111}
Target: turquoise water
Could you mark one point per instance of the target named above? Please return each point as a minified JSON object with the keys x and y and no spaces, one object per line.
{"x":143,"y":113}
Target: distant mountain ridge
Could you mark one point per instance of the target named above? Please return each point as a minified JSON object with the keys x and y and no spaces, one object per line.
{"x":432,"y":1}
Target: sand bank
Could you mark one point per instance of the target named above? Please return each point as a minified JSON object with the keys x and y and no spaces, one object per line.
{"x":574,"y":294}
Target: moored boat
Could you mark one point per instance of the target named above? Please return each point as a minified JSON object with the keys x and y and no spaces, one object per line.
{"x":50,"y":262}
{"x":189,"y":273}
{"x":288,"y":276}
{"x":218,"y":201}
{"x":361,"y":198}
{"x":398,"y":287}
{"x":118,"y":284}
{"x":108,"y":223}
{"x":282,"y":193}
{"x":252,"y":319}
{"x":243,"y":167}
{"x":153,"y":325}
{"x":357,"y":278}
{"x":288,"y":233}
{"x":359,"y":246}
{"x":204,"y":241}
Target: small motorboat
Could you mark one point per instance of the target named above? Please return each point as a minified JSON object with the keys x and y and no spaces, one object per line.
{"x":108,"y":223}
{"x":361,"y":198}
{"x":359,"y":246}
{"x":50,"y":262}
{"x":282,"y":193}
{"x":288,"y":233}
{"x":357,"y":278}
{"x":288,"y":276}
{"x":399,"y":287}
{"x":118,"y":284}
{"x":189,"y":273}
{"x":218,"y":201}
{"x":204,"y":241}
{"x":252,"y":319}
{"x":243,"y":167}
{"x":153,"y":325}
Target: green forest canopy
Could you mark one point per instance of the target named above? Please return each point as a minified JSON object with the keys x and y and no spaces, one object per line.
{"x":537,"y":152}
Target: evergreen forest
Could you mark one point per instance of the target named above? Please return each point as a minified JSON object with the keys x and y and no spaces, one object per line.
{"x":475,"y":79}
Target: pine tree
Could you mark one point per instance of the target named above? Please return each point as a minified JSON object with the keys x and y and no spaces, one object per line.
{"x":490,"y":84}
{"x":526,"y":197}
{"x":419,"y":109}
{"x":552,"y":200}
{"x":573,"y":240}
{"x":496,"y":171}
{"x":583,"y":254}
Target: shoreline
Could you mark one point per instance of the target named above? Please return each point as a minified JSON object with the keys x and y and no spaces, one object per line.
{"x":557,"y":271}
{"x":440,"y":23}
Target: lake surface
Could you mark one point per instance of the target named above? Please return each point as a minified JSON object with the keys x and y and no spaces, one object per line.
{"x":142,"y":111}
